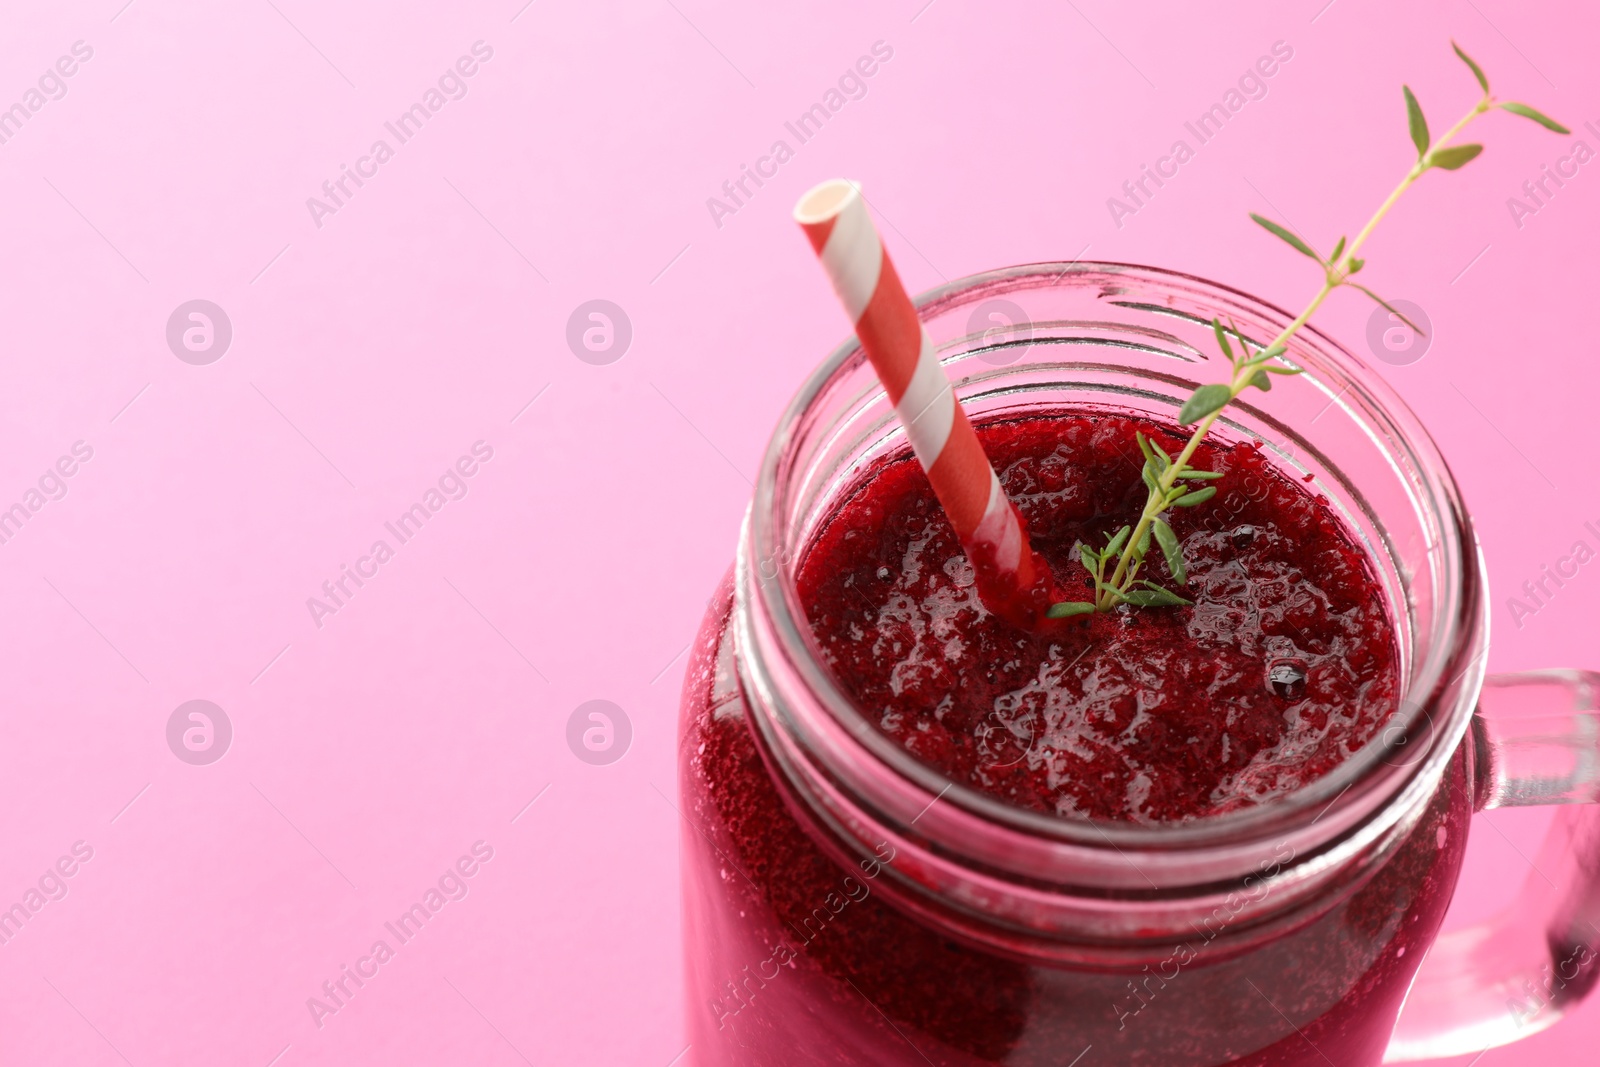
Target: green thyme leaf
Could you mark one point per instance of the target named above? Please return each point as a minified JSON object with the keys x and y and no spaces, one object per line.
{"x":1244,"y":342}
{"x":1118,"y":539}
{"x":1337,"y":249}
{"x":1391,"y":309}
{"x":1088,"y":557}
{"x":1199,"y":496}
{"x":1477,"y":71}
{"x":1201,"y":476}
{"x":1356,"y":265}
{"x":1261,"y":381}
{"x":1149,"y":475}
{"x":1170,"y":549}
{"x":1419,"y":125}
{"x":1068,"y":609}
{"x":1278,"y":231}
{"x":1204,"y":401}
{"x":1279,"y":368}
{"x":1144,"y":544}
{"x":1222,"y":339}
{"x":1153,"y":597}
{"x":1455,"y":157}
{"x":1153,"y":585}
{"x":1529,"y":113}
{"x":1153,"y":452}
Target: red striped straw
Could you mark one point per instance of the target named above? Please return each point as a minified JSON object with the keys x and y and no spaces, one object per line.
{"x":1013,"y":580}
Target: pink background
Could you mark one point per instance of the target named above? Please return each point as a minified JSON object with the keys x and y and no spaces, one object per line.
{"x":372,"y":351}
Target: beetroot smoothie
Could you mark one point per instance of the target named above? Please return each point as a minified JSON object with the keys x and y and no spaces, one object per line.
{"x":1283,"y":667}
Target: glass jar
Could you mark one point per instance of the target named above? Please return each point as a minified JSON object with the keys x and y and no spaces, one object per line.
{"x":845,"y":904}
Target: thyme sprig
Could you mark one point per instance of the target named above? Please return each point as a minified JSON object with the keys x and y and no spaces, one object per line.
{"x":1169,"y":479}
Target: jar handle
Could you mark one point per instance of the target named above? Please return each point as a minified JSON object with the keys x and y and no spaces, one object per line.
{"x":1538,"y":742}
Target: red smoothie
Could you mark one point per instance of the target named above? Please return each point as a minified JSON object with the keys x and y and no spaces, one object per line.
{"x":1284,"y":665}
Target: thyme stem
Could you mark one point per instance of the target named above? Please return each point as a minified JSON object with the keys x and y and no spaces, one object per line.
{"x":1162,"y":473}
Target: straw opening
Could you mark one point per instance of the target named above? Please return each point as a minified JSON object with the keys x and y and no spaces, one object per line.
{"x":825,"y":201}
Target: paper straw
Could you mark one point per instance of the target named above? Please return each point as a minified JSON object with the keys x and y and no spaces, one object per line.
{"x":1013,"y":580}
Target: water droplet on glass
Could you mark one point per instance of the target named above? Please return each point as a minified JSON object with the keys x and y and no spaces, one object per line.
{"x":1287,"y":678}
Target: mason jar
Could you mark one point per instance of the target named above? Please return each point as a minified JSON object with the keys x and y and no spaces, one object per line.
{"x":846,"y":904}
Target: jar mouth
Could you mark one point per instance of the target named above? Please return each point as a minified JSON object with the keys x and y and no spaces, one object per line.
{"x":1143,"y":311}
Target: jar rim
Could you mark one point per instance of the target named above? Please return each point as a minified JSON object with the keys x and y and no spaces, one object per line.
{"x":1445,"y":678}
